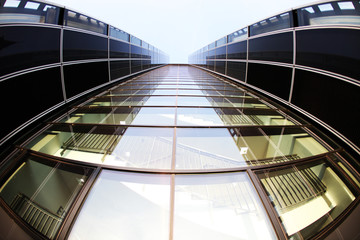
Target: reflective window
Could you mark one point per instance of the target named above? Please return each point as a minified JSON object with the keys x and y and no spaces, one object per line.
{"x":307,"y":197}
{"x":220,"y":42}
{"x":344,"y":12}
{"x":127,"y":206}
{"x":219,"y":206}
{"x":77,"y":20}
{"x":135,"y":40}
{"x":119,"y":34}
{"x":16,"y":11}
{"x":41,"y":192}
{"x":242,"y":34}
{"x":272,"y":24}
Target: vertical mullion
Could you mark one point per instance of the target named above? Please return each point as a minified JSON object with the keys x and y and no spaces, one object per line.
{"x":271,"y":212}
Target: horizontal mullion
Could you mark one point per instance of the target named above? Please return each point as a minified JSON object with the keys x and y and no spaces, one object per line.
{"x":242,"y":127}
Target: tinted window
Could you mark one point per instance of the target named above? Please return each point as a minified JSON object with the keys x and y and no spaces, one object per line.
{"x":344,"y":12}
{"x":119,"y":49}
{"x":272,"y":24}
{"x":79,"y":46}
{"x":334,"y":50}
{"x":242,"y":34}
{"x":237,"y":50}
{"x":14,"y":11}
{"x":277,"y":47}
{"x":21,"y":47}
{"x":77,"y":20}
{"x":278,"y":82}
{"x":117,"y":33}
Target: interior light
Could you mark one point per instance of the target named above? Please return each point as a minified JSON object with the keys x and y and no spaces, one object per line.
{"x":326,"y":7}
{"x":12,"y":3}
{"x":310,"y":9}
{"x":346,"y":5}
{"x":32,"y":5}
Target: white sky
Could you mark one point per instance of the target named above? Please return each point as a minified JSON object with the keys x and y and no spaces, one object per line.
{"x":180,"y":27}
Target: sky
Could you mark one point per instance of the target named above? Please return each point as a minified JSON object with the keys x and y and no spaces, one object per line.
{"x":180,"y":27}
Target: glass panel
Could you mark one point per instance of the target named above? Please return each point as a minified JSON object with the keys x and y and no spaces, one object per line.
{"x":242,"y":34}
{"x":306,"y":197}
{"x":198,"y":117}
{"x":41,"y":192}
{"x":343,"y":12}
{"x":28,"y":12}
{"x":135,"y":40}
{"x":219,"y":206}
{"x":201,"y":148}
{"x":221,"y":42}
{"x":127,"y":206}
{"x":272,"y":24}
{"x":275,"y":145}
{"x":77,"y":20}
{"x":193,"y":101}
{"x":117,"y":33}
{"x":155,"y":151}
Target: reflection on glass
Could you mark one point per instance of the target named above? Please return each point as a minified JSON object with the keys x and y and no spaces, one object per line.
{"x":126,"y":206}
{"x":265,"y":146}
{"x":198,"y":117}
{"x":77,"y":20}
{"x":143,"y":148}
{"x":278,"y":22}
{"x":155,"y":116}
{"x":12,"y":12}
{"x":345,"y":13}
{"x":219,"y":206}
{"x":41,"y":192}
{"x":201,"y":148}
{"x":306,"y":197}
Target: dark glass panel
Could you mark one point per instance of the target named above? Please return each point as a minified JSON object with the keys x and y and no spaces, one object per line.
{"x":119,"y":69}
{"x":82,"y":77}
{"x":237,"y":50}
{"x":277,"y":22}
{"x":41,"y":192}
{"x":277,"y":47}
{"x":77,"y":20}
{"x":78,"y":46}
{"x":329,"y":99}
{"x":334,"y":50}
{"x":28,"y":12}
{"x":135,"y":51}
{"x":210,"y":65}
{"x":220,"y":66}
{"x":135,"y":66}
{"x":21,"y":47}
{"x":341,"y":12}
{"x":273,"y":79}
{"x":211,"y":54}
{"x":34,"y":93}
{"x":236,"y":70}
{"x":119,"y":49}
{"x":221,"y":53}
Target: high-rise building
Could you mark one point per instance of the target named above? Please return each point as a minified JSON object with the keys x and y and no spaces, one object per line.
{"x":103,"y":139}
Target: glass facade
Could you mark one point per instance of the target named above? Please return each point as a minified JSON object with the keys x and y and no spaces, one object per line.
{"x":182,"y":154}
{"x":179,"y":152}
